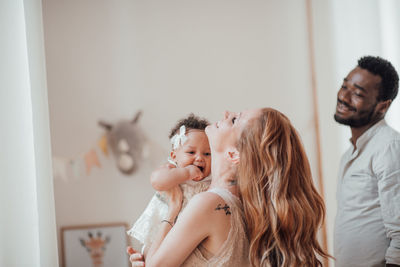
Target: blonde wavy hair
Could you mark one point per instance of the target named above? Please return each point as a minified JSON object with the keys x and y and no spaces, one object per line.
{"x":283,"y":210}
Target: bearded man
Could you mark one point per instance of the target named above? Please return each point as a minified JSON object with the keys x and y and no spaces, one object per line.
{"x":367,"y":225}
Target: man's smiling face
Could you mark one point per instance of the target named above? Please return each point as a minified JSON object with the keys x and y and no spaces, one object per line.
{"x":357,"y":98}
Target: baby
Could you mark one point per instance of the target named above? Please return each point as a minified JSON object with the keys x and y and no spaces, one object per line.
{"x":189,"y":166}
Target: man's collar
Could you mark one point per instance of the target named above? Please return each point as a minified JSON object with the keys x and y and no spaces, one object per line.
{"x":368,"y":134}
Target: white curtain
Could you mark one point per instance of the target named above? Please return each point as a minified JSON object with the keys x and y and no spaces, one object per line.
{"x":27,"y":218}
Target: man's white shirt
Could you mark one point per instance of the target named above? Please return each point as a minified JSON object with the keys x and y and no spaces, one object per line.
{"x":367,"y":226}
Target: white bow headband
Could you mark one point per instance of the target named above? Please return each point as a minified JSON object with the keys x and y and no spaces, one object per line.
{"x":179,"y":139}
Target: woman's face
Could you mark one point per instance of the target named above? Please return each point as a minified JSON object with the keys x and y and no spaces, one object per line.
{"x":226,"y":132}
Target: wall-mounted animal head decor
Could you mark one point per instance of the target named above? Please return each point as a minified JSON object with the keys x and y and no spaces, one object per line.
{"x":126,"y":140}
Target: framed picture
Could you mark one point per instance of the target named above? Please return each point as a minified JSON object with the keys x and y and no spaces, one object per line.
{"x":102,"y":245}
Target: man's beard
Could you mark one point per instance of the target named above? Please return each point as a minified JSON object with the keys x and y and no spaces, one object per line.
{"x":365,"y":118}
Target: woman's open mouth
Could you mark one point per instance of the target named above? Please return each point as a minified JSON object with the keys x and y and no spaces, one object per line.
{"x":201,"y":168}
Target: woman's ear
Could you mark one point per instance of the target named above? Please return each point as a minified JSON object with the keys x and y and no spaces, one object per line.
{"x":173,"y":155}
{"x":234,"y":156}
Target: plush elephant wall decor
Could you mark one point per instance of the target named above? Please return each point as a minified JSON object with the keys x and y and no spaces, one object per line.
{"x":126,"y":140}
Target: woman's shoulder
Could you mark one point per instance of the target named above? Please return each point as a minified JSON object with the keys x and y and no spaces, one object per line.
{"x":207,"y":207}
{"x":205,"y":203}
{"x":207,"y":198}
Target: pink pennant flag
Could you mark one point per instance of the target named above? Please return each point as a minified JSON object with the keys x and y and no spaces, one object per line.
{"x":91,"y":160}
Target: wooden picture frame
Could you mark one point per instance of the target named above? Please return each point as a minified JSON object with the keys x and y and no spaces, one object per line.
{"x":97,"y":245}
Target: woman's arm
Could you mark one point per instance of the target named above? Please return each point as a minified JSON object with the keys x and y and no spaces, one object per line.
{"x":168,"y":176}
{"x":175,"y":244}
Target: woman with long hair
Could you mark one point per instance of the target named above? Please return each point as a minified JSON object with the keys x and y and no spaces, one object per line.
{"x":256,"y":155}
{"x":283,"y":211}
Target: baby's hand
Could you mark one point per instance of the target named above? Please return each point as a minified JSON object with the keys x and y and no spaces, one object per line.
{"x":135,"y":257}
{"x":194,"y":173}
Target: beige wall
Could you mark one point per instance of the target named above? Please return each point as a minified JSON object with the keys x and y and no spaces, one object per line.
{"x":106,"y":60}
{"x":167,"y":58}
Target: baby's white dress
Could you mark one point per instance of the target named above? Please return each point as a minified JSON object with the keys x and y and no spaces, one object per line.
{"x":146,"y":227}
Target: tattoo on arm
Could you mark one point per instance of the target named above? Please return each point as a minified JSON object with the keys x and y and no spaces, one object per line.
{"x":226,"y":208}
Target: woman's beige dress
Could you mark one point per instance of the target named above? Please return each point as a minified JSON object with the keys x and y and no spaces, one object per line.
{"x":235,"y":251}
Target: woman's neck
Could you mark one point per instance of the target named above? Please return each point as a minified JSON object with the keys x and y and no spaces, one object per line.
{"x":223,"y":173}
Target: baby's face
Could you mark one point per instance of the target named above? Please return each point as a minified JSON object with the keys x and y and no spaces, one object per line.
{"x":195,"y":151}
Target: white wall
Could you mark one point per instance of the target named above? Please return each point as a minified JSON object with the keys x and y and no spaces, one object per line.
{"x":168,"y":58}
{"x":390,"y":42}
{"x":374,"y":31}
{"x":344,"y":31}
{"x":106,"y":60}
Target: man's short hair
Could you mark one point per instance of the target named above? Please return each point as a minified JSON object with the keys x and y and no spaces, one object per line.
{"x":390,"y":79}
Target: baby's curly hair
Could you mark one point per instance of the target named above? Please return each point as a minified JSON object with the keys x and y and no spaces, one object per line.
{"x":191,"y":122}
